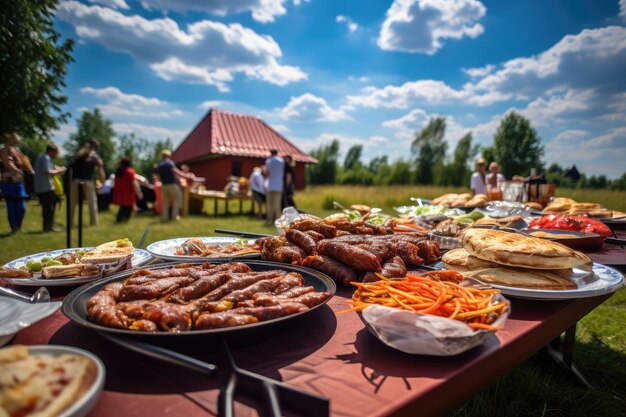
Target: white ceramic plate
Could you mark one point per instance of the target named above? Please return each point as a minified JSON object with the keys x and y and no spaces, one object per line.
{"x":16,"y":315}
{"x":166,"y":249}
{"x":139,"y":258}
{"x":89,"y":399}
{"x":603,"y":280}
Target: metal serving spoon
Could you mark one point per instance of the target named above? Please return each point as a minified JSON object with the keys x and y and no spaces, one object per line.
{"x":40,"y":296}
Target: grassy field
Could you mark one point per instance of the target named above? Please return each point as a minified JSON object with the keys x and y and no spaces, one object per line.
{"x":538,"y":387}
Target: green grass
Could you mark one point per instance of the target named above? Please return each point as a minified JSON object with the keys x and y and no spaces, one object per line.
{"x":538,"y":387}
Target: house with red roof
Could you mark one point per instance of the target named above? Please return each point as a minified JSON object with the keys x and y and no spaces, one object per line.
{"x":225,"y":143}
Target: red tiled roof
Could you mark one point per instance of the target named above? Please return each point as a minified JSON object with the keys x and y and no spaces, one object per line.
{"x":226,"y":133}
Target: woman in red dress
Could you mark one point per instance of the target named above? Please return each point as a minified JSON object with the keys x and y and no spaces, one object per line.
{"x":126,"y":190}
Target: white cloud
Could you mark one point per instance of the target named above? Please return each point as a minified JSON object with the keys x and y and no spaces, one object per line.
{"x":309,"y":107}
{"x":120,"y":104}
{"x":408,"y":125}
{"x":352,"y":26}
{"x":209,"y":104}
{"x":280,"y":128}
{"x":479,"y":72}
{"x":403,"y":96}
{"x":115,"y":4}
{"x":421,"y":25}
{"x":207,"y":52}
{"x":594,"y":58}
{"x":567,"y":136}
{"x":263,"y":11}
{"x":622,"y":9}
{"x":115,"y":96}
{"x":152,"y":133}
{"x":602,"y":154}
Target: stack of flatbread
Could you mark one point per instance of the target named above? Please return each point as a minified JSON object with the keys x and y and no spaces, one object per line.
{"x":562,"y":205}
{"x":515,"y":260}
{"x":460,"y":200}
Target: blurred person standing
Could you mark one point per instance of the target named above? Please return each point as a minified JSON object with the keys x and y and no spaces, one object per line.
{"x":45,"y":170}
{"x":85,"y":164}
{"x":257,"y":186}
{"x":275,"y":172}
{"x":290,"y":182}
{"x":14,"y":163}
{"x":126,"y":190}
{"x":172,"y":194}
{"x":478,"y":182}
{"x":493,"y":180}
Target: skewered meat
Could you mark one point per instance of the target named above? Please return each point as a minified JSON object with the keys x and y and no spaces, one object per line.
{"x":319,"y":226}
{"x":315,"y":235}
{"x":303,"y":240}
{"x":6,"y":272}
{"x":353,"y":256}
{"x":429,"y":250}
{"x":331,"y":267}
{"x":118,"y":305}
{"x":287,"y":254}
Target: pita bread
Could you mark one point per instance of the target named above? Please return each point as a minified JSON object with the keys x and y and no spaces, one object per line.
{"x":517,"y":250}
{"x":532,"y":279}
{"x":460,"y":260}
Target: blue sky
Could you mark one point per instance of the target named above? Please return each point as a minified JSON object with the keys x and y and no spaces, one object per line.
{"x":368,"y":72}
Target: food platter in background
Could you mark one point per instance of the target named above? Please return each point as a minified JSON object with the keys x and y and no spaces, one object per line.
{"x":167,"y":249}
{"x":140,"y":257}
{"x":572,"y":239}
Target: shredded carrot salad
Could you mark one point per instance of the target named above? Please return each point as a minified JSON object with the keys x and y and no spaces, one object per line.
{"x":438,"y":293}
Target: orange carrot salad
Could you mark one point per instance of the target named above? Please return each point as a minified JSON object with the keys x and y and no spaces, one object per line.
{"x":438,"y":293}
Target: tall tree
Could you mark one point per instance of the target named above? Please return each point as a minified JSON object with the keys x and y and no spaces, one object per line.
{"x":463,"y":154}
{"x":353,"y":157}
{"x":94,"y":126}
{"x":34,"y":62}
{"x":516,"y":146}
{"x":429,"y":149}
{"x":325,"y":171}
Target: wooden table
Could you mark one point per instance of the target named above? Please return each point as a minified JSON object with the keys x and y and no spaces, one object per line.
{"x":217,"y":196}
{"x":332,"y":355}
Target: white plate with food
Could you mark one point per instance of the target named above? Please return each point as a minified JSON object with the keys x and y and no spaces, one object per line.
{"x":59,"y":381}
{"x":602,"y":280}
{"x":209,"y":247}
{"x":140,"y":257}
{"x":16,"y":315}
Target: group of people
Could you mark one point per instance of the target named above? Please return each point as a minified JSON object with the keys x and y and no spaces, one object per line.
{"x":483,"y":183}
{"x":128,"y":188}
{"x":273,"y":186}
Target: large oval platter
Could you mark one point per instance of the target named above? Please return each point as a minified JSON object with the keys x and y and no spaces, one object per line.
{"x":75,"y":304}
{"x":141,"y":257}
{"x":166,"y":249}
{"x":602,"y":280}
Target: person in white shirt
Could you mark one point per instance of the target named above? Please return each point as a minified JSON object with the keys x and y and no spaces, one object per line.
{"x":276,"y":171}
{"x":478,"y":183}
{"x":257,"y":186}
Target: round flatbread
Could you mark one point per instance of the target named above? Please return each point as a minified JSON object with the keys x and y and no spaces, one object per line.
{"x":517,"y":250}
{"x":519,"y":278}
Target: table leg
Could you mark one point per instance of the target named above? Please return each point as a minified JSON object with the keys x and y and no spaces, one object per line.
{"x":562,"y":351}
{"x":215,"y":207}
{"x":226,"y":206}
{"x":240,"y":206}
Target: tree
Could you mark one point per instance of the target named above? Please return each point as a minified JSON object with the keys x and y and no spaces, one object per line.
{"x":94,"y":126}
{"x":516,"y":146}
{"x":325,"y":171}
{"x":378,"y":164}
{"x":429,"y":149}
{"x":34,"y":63}
{"x":353,"y":157}
{"x":461,"y":158}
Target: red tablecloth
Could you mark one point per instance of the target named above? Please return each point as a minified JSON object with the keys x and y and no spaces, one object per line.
{"x":332,"y":355}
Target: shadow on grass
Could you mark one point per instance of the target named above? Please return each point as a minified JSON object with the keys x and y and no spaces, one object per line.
{"x":540,"y":387}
